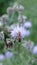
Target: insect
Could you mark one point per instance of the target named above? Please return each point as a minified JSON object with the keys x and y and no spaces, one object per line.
{"x":19,"y":37}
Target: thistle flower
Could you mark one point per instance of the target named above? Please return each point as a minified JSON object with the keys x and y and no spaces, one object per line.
{"x":27,"y":33}
{"x":34,"y":51}
{"x":10,"y":10}
{"x":27,"y":24}
{"x":9,"y":54}
{"x":23,"y":32}
{"x":28,"y":45}
{"x":5,"y":18}
{"x":13,"y":26}
{"x":16,"y":30}
{"x":2,"y":57}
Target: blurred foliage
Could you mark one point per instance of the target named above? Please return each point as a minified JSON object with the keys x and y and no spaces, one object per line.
{"x":4,"y":4}
{"x":2,"y":43}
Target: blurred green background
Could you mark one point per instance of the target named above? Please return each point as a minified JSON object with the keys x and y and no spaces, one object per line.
{"x":4,"y":4}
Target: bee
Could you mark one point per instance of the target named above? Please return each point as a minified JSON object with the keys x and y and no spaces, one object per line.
{"x":19,"y":37}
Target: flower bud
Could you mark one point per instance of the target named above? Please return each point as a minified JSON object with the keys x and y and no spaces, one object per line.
{"x":5,"y":18}
{"x":20,"y":8}
{"x":9,"y":54}
{"x":10,"y":10}
{"x":28,"y":45}
{"x":22,"y":18}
